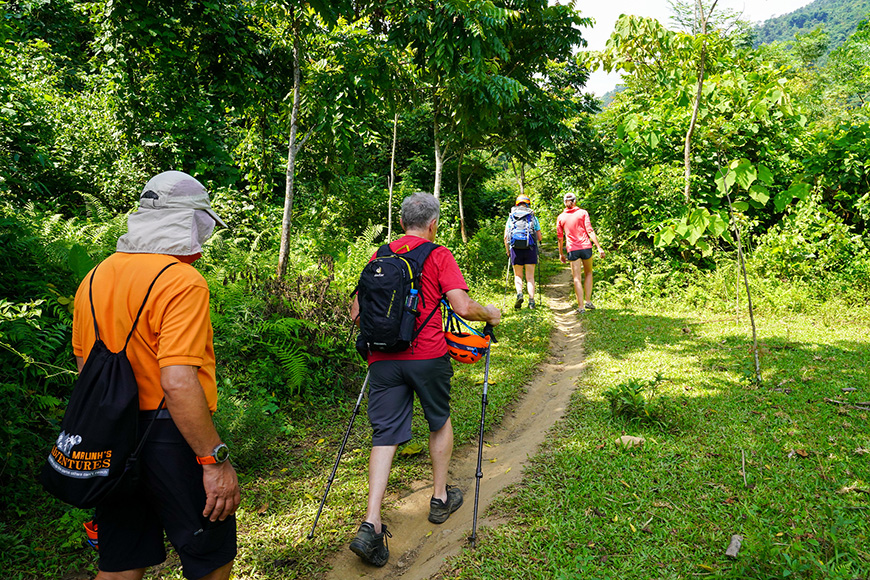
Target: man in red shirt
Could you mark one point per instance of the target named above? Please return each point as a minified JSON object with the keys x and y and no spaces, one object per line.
{"x":424,"y":369}
{"x":574,"y":224}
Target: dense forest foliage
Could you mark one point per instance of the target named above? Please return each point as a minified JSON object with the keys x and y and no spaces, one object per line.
{"x":838,"y":18}
{"x":296,"y":117}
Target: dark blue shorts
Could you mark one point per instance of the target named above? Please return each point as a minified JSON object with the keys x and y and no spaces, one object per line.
{"x":392,"y":384}
{"x":580,"y":255}
{"x":171,"y":497}
{"x":523,"y":257}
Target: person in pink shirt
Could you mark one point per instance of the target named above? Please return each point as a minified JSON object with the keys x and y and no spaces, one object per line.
{"x":574,"y":228}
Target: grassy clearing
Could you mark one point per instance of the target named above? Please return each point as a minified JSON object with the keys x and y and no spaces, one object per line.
{"x":589,"y":509}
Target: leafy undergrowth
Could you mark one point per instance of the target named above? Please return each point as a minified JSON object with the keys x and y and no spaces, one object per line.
{"x":774,"y":463}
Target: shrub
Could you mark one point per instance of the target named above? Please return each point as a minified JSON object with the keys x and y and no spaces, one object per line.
{"x":632,"y":400}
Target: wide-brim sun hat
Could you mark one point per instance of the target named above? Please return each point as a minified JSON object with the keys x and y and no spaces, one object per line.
{"x":174,"y":217}
{"x":569,"y":196}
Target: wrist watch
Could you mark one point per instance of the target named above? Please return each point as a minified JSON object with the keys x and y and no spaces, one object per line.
{"x":220,"y":454}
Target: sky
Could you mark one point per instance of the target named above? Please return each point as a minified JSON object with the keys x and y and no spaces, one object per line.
{"x":605,"y":14}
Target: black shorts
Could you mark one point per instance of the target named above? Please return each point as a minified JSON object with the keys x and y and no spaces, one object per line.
{"x":523,"y":257}
{"x":392,"y":384}
{"x":171,"y":497}
{"x":580,"y":255}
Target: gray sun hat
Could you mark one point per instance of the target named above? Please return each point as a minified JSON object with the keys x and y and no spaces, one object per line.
{"x":568,"y":196}
{"x":174,"y":217}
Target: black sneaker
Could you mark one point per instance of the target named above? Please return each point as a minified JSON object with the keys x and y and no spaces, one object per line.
{"x":519,"y":303}
{"x":439,"y":511}
{"x":371,"y":547}
{"x":532,"y":303}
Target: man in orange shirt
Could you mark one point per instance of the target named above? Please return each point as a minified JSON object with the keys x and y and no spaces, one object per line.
{"x":574,"y":224}
{"x":188,"y":487}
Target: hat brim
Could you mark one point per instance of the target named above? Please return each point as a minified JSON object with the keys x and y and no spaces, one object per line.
{"x":214,"y":216}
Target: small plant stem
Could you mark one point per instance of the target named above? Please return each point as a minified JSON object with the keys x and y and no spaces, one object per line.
{"x":743,"y":468}
{"x":748,"y":294}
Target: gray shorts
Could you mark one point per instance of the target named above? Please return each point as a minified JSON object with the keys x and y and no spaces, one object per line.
{"x":392,"y":384}
{"x":580,"y":255}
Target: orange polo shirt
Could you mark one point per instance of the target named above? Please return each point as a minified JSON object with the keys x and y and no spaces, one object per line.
{"x":174,"y":328}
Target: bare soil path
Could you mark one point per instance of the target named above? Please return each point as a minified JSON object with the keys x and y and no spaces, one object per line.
{"x":418,"y":548}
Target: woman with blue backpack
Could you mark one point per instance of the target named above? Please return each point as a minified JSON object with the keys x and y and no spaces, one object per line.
{"x":522,"y":233}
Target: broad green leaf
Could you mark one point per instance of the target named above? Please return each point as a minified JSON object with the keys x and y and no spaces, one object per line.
{"x":717,"y":225}
{"x":664,"y":237}
{"x":782,"y":199}
{"x":740,"y":206}
{"x":764,"y":174}
{"x":695,"y":233}
{"x":759,"y":193}
{"x":800,"y":190}
{"x":745,"y":174}
{"x":705,"y":248}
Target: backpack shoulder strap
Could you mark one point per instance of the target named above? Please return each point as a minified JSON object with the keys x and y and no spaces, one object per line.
{"x":142,"y":307}
{"x":383,"y":251}
{"x":91,"y":298}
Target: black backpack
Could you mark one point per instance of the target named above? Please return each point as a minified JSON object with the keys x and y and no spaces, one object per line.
{"x":389,"y":292}
{"x":96,"y":454}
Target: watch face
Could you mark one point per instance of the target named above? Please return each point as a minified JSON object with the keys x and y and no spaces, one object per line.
{"x":222,"y":453}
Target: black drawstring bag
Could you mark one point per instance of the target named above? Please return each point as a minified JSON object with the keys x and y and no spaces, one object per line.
{"x":96,"y":454}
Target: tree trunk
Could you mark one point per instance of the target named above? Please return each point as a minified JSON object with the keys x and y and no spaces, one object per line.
{"x":687,"y":150}
{"x":392,"y":179}
{"x":700,"y":18}
{"x":459,"y":189}
{"x":439,"y":163}
{"x":742,"y":262}
{"x":522,"y":178}
{"x":292,"y":150}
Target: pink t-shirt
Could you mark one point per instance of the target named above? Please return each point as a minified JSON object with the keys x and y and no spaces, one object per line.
{"x":440,"y":275}
{"x":574,"y":223}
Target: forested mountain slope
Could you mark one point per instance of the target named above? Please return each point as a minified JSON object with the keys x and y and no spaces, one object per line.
{"x":839,"y":18}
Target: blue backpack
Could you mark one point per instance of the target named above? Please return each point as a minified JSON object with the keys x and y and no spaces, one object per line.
{"x":522,"y":231}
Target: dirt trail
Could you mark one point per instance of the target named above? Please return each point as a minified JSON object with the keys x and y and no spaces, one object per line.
{"x":419,"y":548}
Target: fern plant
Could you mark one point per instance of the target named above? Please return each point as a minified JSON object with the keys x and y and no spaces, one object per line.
{"x":281,"y":339}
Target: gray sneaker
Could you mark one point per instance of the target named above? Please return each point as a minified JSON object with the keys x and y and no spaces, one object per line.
{"x":519,"y":303}
{"x":531,"y":303}
{"x":590,"y":306}
{"x":371,"y":547}
{"x":439,"y":511}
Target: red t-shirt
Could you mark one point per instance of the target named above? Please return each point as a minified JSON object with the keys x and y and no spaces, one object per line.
{"x":440,"y":275}
{"x":575,"y":225}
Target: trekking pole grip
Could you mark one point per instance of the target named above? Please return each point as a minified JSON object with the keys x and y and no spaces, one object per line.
{"x":488,"y":331}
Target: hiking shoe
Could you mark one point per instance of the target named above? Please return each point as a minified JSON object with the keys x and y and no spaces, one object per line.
{"x":519,"y":303}
{"x":371,"y":547}
{"x":439,"y":511}
{"x":531,"y":303}
{"x":590,"y":306}
{"x":579,"y":311}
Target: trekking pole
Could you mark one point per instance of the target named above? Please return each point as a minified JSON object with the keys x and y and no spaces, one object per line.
{"x":507,"y":283}
{"x":487,"y":331}
{"x":340,"y":451}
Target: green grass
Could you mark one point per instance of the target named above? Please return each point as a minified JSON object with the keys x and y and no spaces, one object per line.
{"x":590,"y":509}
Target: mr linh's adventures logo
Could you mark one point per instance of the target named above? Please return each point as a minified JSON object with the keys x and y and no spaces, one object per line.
{"x":78,"y":464}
